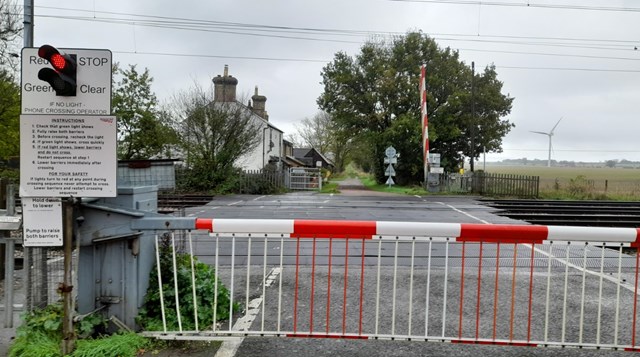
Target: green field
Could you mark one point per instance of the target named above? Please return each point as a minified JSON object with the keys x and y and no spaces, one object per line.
{"x":615,"y":182}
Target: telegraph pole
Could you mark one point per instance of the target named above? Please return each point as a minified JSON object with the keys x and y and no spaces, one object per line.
{"x":28,"y":23}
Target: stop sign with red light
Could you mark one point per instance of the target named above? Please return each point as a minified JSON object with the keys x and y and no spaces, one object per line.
{"x":62,"y":77}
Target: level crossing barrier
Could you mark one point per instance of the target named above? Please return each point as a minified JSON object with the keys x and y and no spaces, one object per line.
{"x":523,"y":285}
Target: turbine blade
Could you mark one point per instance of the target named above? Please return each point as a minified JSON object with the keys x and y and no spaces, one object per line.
{"x":554,"y":127}
{"x":539,"y":132}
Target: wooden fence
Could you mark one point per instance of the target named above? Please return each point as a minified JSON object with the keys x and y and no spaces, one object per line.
{"x":489,"y":184}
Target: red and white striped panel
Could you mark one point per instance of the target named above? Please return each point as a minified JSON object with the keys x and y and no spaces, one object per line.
{"x":461,"y":232}
{"x":423,"y":112}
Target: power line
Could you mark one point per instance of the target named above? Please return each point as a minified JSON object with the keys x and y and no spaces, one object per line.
{"x":263,"y":31}
{"x":574,"y":150}
{"x":608,"y":47}
{"x":340,"y":32}
{"x":195,"y":29}
{"x":128,"y":21}
{"x":212,"y":22}
{"x":552,"y":54}
{"x":528,"y":5}
{"x":220,"y":56}
{"x":107,"y":20}
{"x":570,"y":69}
{"x":310,"y":60}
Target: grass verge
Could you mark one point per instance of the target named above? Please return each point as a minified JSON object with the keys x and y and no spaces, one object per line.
{"x":371,"y":184}
{"x":38,"y":344}
{"x":330,"y":187}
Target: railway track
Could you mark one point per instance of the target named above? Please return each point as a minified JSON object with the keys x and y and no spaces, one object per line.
{"x":169,"y":203}
{"x":570,"y":213}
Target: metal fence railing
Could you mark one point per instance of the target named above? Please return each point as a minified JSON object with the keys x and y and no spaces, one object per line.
{"x":161,"y":173}
{"x":44,"y":273}
{"x":461,"y":283}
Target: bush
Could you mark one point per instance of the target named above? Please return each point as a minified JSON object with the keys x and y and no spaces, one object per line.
{"x":150,"y":315}
{"x":13,"y":175}
{"x":580,"y":187}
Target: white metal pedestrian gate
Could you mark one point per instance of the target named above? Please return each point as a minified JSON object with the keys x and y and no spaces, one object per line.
{"x":304,"y":178}
{"x":522,"y":285}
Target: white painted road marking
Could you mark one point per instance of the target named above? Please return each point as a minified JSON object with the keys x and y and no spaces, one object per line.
{"x":605,"y":276}
{"x":230,"y":347}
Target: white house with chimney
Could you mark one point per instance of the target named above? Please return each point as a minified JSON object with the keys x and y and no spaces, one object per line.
{"x":270,"y":150}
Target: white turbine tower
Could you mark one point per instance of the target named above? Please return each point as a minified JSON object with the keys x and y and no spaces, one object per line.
{"x":550,"y":135}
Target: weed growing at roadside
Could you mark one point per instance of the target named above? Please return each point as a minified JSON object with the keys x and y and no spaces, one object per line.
{"x":150,"y":315}
{"x":41,"y":333}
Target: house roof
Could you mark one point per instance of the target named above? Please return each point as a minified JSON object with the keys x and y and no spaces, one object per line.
{"x":244,"y":107}
{"x":292,"y":161}
{"x":301,"y":152}
{"x":308,"y":152}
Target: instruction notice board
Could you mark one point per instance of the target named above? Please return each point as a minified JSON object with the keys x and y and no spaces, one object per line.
{"x":42,"y":221}
{"x":63,"y":156}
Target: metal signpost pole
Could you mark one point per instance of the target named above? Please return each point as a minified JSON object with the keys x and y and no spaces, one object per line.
{"x":68,"y":149}
{"x":66,"y":288}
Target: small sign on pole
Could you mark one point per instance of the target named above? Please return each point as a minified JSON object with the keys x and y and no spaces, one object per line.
{"x":391,"y":158}
{"x":42,"y":221}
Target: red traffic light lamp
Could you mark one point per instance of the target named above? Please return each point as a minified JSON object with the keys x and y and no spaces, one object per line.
{"x":62,"y":77}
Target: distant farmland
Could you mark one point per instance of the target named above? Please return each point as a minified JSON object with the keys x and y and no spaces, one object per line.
{"x":605,"y":180}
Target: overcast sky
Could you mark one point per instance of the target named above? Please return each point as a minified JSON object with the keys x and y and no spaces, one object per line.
{"x":571,"y":59}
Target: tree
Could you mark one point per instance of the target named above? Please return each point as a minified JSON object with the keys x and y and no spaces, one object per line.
{"x":321,"y":133}
{"x":294,"y":139}
{"x":9,"y":115}
{"x":144,"y":132}
{"x":374,"y":97}
{"x":213,"y":136}
{"x":10,"y":30}
{"x":611,"y":163}
{"x":316,"y":131}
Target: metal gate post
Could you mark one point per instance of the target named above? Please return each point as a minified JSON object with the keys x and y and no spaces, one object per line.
{"x":8,"y":281}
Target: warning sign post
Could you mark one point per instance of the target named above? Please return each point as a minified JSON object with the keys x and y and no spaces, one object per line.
{"x":67,"y":149}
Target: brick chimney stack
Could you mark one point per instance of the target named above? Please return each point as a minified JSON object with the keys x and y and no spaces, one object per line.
{"x":259,"y":105}
{"x":224,"y":89}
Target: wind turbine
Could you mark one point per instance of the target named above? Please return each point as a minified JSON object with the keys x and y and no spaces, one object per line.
{"x":550,"y":135}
